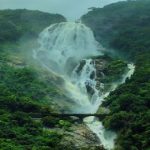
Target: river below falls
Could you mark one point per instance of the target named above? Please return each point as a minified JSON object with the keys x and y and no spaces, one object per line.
{"x":107,"y":138}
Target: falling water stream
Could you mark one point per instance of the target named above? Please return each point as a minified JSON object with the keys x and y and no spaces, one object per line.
{"x":62,"y":47}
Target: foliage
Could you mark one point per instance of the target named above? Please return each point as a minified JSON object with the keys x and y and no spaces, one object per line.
{"x":123,"y":26}
{"x":50,"y":121}
{"x":114,"y":70}
{"x":129,"y":106}
{"x":64,"y":123}
{"x":23,"y":95}
{"x":22,"y":23}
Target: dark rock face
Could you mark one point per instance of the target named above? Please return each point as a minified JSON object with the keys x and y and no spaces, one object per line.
{"x":100,"y":65}
{"x":90,"y":90}
{"x":93,"y":75}
{"x":82,"y":63}
{"x":80,"y":137}
{"x":108,"y":71}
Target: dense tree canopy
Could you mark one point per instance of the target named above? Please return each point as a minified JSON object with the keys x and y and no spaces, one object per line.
{"x":125,"y":27}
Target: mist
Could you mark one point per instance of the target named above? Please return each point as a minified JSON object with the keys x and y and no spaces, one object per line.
{"x":74,"y":42}
{"x":70,"y":43}
{"x":71,"y":9}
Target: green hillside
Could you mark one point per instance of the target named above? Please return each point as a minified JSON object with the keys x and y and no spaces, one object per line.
{"x":23,"y":94}
{"x":124,"y":28}
{"x":15,"y":24}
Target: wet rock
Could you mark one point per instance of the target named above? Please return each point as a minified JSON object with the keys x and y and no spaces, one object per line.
{"x":93,"y":75}
{"x":80,"y":67}
{"x":76,"y":137}
{"x":79,"y":138}
{"x":90,"y":90}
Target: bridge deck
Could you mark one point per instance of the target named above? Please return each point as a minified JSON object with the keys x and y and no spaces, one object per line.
{"x":80,"y":116}
{"x":100,"y":116}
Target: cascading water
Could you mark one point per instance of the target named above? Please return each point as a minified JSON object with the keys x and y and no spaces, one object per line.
{"x":66,"y":43}
{"x":84,"y":77}
{"x":107,"y":138}
{"x":61,"y":47}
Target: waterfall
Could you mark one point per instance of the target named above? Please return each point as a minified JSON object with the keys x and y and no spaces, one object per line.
{"x":84,"y":78}
{"x":107,"y":138}
{"x":61,"y":47}
{"x":66,"y":43}
{"x":65,"y":49}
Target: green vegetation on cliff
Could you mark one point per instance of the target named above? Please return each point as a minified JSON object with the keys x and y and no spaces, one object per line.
{"x":125,"y":27}
{"x":16,"y":24}
{"x":24,"y":103}
{"x":114,"y":71}
{"x":129,"y":105}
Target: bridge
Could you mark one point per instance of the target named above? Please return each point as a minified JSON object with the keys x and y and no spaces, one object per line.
{"x":80,"y":116}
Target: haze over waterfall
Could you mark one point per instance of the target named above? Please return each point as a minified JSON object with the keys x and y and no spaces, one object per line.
{"x":64,"y":43}
{"x":62,"y":47}
{"x":67,"y":49}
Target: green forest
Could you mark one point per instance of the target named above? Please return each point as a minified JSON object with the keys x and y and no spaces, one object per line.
{"x":21,"y":90}
{"x":124,"y":29}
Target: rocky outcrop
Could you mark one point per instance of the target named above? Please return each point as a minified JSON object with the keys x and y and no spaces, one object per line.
{"x":108,"y":71}
{"x":78,"y":137}
{"x":100,"y":65}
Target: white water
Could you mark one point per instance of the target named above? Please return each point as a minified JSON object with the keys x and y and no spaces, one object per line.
{"x":107,"y":138}
{"x":61,"y":47}
{"x":82,"y":79}
{"x":64,"y":43}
